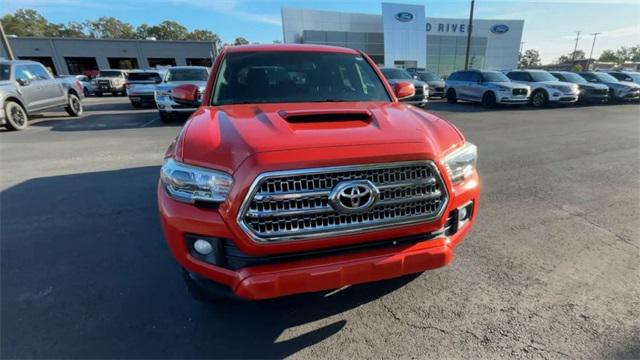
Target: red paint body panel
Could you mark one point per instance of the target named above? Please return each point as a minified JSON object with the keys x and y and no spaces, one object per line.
{"x":247,"y":140}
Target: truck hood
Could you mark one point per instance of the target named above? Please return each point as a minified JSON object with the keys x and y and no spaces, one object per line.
{"x":222,"y":137}
{"x":172,"y":84}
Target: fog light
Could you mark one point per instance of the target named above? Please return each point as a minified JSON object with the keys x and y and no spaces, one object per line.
{"x":462,"y":213}
{"x":203,"y":247}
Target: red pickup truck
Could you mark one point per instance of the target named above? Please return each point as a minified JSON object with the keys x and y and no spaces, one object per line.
{"x":300,"y":171}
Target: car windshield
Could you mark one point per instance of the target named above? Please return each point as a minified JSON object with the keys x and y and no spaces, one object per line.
{"x":109,"y":74}
{"x":150,"y":76}
{"x":542,"y":76}
{"x":427,"y":76}
{"x":275,"y":77}
{"x":574,"y":78}
{"x":187,"y":75}
{"x":399,"y":74}
{"x":494,"y":76}
{"x":604,"y":77}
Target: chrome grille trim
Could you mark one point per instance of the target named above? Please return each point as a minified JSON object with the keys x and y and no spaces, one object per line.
{"x":410,"y":192}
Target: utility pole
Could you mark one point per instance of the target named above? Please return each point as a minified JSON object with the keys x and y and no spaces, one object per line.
{"x":469,"y":30}
{"x":5,"y":44}
{"x":592,"y":46}
{"x":522,"y":45}
{"x":573,"y":55}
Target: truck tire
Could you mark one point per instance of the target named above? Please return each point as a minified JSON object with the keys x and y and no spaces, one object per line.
{"x":539,"y":98}
{"x":451,"y":96}
{"x":166,"y":117}
{"x":197,"y":292}
{"x":74,"y":107}
{"x":16,"y":116}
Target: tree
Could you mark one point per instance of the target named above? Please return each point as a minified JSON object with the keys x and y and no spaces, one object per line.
{"x":27,"y":22}
{"x":108,"y":27}
{"x":72,"y":29}
{"x":168,"y":30}
{"x":529,"y":58}
{"x":609,"y":56}
{"x":205,"y":35}
{"x":628,"y":53}
{"x":572,"y":56}
{"x":240,"y":41}
{"x":577,"y":68}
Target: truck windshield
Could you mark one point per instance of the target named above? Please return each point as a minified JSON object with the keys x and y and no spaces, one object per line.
{"x":398,"y":74}
{"x":5,"y":72}
{"x":494,"y":76}
{"x":427,"y":76}
{"x":275,"y":77}
{"x":109,"y":74}
{"x":187,"y":75}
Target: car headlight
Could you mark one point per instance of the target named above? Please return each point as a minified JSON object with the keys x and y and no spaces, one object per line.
{"x":189,"y":184}
{"x":461,"y":162}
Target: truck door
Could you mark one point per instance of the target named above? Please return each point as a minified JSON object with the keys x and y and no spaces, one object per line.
{"x":28,"y":87}
{"x":52,"y":90}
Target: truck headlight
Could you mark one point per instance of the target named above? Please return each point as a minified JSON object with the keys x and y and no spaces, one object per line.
{"x":189,"y":184}
{"x":461,"y":162}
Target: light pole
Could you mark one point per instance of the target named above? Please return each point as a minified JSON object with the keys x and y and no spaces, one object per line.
{"x":573,"y":55}
{"x":592,"y":46}
{"x":469,"y":29}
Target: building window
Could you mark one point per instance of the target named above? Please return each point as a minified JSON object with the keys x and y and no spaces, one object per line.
{"x":446,"y":53}
{"x":155,"y":62}
{"x":44,"y":60}
{"x":123,"y":63}
{"x":199,"y":62}
{"x":82,"y":65}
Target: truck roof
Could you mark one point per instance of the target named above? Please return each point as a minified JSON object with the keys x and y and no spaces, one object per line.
{"x":289,"y":47}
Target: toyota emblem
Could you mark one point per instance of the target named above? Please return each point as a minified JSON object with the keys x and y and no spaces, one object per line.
{"x":354,"y":196}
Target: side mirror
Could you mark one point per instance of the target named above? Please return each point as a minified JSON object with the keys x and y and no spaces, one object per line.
{"x":23,"y":82}
{"x":186,"y":95}
{"x":404,"y":90}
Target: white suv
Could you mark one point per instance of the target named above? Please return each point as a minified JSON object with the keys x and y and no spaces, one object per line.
{"x":488,"y":87}
{"x":545,"y":88}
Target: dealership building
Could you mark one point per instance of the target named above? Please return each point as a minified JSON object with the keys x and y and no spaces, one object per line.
{"x":63,"y":56}
{"x":404,"y":36}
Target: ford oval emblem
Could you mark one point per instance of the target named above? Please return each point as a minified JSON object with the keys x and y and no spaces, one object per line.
{"x":499,"y":29}
{"x":404,"y":16}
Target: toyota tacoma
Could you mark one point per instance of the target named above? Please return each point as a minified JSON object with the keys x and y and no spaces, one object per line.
{"x":300,"y":171}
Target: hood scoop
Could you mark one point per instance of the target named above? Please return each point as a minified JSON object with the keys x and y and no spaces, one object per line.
{"x":329,"y":115}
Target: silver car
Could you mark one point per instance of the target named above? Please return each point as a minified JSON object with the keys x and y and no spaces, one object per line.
{"x":141,"y":86}
{"x":26,"y":87}
{"x":487,"y":87}
{"x":178,"y":75}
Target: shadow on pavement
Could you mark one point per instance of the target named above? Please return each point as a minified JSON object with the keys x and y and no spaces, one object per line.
{"x":86,"y":273}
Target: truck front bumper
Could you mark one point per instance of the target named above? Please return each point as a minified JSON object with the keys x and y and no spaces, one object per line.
{"x":390,"y":253}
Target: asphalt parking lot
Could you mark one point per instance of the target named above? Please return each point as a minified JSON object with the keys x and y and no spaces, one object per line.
{"x":551,"y":269}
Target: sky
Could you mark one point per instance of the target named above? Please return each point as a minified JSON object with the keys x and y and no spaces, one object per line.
{"x":549,"y":26}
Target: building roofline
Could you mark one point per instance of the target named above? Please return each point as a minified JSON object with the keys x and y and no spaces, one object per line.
{"x":102,"y":39}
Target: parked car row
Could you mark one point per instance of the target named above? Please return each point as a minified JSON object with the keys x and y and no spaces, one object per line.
{"x":538,"y":87}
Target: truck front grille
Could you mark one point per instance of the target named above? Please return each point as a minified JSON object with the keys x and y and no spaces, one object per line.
{"x":302,"y":204}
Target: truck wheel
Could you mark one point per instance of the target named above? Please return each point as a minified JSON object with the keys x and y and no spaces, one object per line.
{"x":74,"y":107}
{"x":539,"y":98}
{"x":165,"y":117}
{"x":489,"y":99}
{"x":16,"y":116}
{"x":197,"y":292}
{"x":451,"y":96}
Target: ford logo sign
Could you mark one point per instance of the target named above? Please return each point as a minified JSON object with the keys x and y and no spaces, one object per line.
{"x":404,"y":16}
{"x":499,"y":29}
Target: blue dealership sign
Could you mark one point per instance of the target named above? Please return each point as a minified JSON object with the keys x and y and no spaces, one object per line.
{"x":404,"y":16}
{"x":499,"y":29}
